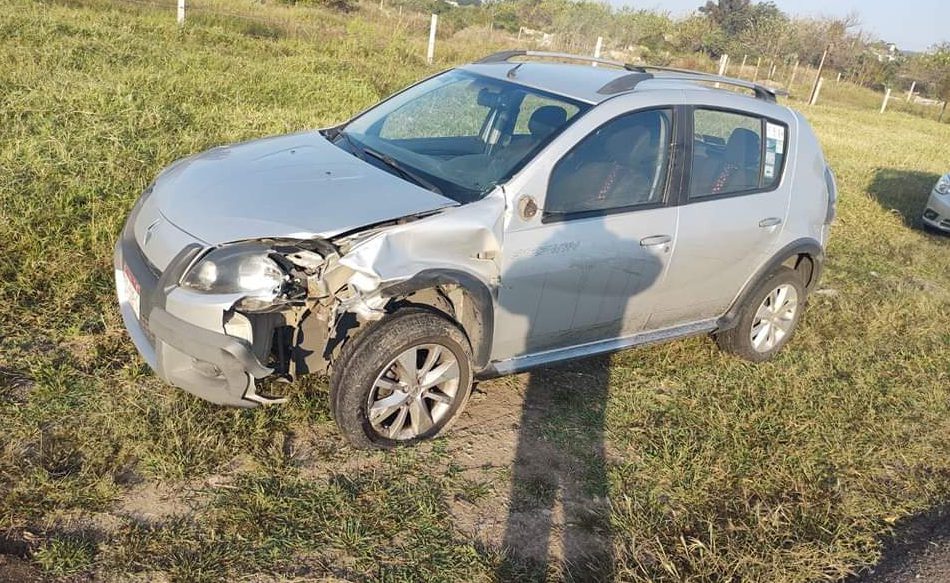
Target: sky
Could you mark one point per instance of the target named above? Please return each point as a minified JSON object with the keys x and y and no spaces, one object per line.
{"x":913,"y":25}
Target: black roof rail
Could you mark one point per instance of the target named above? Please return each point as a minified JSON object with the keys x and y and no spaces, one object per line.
{"x":628,"y":84}
{"x":625,"y":83}
{"x":761,"y":91}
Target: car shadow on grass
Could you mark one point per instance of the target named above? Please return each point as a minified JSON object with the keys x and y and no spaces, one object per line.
{"x":904,"y":192}
{"x":918,"y":550}
{"x":559,"y":506}
{"x":559,"y":510}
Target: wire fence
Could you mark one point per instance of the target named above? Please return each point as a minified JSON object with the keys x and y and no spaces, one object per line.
{"x":796,"y":79}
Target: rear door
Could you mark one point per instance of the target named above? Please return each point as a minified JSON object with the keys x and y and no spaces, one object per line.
{"x":731,"y":213}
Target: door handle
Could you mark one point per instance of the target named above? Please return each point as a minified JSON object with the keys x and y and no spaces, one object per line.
{"x":770,"y":222}
{"x":655,"y":240}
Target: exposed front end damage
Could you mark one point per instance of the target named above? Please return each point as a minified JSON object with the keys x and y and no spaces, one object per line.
{"x":217,"y":346}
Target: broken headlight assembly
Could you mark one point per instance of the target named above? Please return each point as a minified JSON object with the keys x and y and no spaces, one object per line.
{"x":246,"y":268}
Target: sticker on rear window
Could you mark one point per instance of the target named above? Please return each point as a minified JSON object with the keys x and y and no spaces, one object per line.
{"x":775,"y":136}
{"x":774,"y":149}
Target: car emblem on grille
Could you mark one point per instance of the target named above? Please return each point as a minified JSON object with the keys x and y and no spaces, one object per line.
{"x":149,"y":230}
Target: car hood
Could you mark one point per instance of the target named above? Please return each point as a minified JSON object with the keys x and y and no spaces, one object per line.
{"x":293,"y":186}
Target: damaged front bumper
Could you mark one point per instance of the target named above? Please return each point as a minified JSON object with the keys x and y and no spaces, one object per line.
{"x":212,"y":365}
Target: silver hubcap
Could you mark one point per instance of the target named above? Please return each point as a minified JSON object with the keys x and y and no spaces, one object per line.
{"x":414,"y":392}
{"x":774,"y":319}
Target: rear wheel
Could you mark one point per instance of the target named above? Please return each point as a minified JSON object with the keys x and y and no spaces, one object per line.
{"x":769,"y":318}
{"x":404,"y":380}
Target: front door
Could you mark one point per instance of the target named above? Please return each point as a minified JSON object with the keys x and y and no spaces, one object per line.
{"x":584,"y":268}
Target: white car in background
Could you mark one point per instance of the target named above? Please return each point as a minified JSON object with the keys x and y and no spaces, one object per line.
{"x":937,"y":213}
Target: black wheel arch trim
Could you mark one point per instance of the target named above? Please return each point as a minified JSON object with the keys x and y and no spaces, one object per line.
{"x":477,"y":289}
{"x":804,"y":246}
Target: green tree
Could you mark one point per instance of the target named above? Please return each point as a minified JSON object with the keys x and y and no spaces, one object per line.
{"x":766,"y":32}
{"x":730,"y":15}
{"x":746,"y":25}
{"x":735,"y":16}
{"x":932,"y":71}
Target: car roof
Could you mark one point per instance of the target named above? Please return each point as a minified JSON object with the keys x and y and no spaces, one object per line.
{"x":592,"y":84}
{"x":580,"y":82}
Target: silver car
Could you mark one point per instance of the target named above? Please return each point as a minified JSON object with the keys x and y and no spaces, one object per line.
{"x":503,"y":215}
{"x":937,"y":213}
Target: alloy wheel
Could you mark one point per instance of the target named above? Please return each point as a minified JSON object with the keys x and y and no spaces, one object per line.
{"x":775,"y":318}
{"x":414,"y":392}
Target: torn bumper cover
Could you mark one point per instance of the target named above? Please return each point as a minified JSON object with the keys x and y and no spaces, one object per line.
{"x":211,"y":365}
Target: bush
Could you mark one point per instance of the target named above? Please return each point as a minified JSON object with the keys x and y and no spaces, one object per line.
{"x":337,"y":5}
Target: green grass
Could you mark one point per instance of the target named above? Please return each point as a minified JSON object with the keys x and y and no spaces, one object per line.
{"x":715,"y":469}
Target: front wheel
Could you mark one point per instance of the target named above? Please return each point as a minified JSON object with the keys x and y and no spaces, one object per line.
{"x":404,"y":380}
{"x":769,"y":318}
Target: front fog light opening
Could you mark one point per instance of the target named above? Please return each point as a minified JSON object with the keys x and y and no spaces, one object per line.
{"x":930,"y":215}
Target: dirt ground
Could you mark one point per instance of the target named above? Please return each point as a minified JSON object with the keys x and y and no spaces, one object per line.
{"x":537,"y":487}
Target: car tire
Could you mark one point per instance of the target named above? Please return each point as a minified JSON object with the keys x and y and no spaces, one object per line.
{"x":378,"y":402}
{"x":768,"y":319}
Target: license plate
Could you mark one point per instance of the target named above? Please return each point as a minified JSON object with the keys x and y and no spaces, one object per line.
{"x":132,"y":291}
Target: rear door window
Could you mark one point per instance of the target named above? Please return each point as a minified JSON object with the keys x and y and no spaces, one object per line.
{"x":735,"y":153}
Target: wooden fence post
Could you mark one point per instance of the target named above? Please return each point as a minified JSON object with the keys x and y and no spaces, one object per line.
{"x":821,"y":67}
{"x":430,"y":53}
{"x":597,"y":48}
{"x":742,"y":66}
{"x":723,"y":64}
{"x":181,"y":12}
{"x":816,"y":92}
{"x":755,"y":74}
{"x":910,"y":94}
{"x":791,"y":80}
{"x":887,"y":96}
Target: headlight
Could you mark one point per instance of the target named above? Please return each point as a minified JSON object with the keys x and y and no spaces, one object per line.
{"x":943,"y":185}
{"x":241,"y":268}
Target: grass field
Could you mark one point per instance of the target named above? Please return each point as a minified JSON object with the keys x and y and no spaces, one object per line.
{"x":674,"y":463}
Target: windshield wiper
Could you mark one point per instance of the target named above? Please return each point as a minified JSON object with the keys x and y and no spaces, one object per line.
{"x":350,"y":144}
{"x":406,"y":173}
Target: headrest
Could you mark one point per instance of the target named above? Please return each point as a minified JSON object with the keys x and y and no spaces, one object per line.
{"x":743,"y":148}
{"x":545,"y":120}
